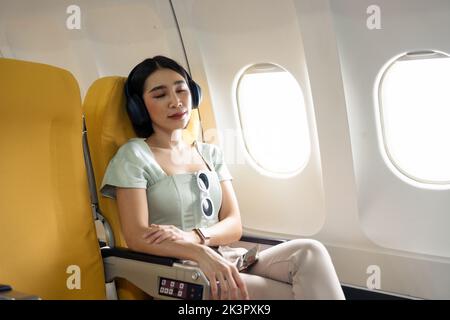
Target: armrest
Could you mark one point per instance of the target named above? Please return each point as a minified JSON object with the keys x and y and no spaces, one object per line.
{"x":138,"y":256}
{"x":7,"y":293}
{"x":261,"y":240}
{"x":160,"y":277}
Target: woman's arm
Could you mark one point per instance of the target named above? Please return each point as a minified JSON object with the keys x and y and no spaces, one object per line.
{"x":133,"y":213}
{"x":229,"y":228}
{"x":134,"y":217}
{"x":226,"y":231}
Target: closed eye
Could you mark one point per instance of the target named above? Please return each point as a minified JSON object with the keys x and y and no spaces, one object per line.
{"x":163,"y":94}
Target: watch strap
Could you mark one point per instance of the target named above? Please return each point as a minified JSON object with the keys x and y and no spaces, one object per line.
{"x":203,"y":235}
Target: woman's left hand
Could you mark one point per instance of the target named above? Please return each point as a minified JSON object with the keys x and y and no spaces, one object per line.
{"x":157,"y":233}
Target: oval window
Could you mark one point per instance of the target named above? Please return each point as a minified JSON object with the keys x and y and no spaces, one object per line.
{"x":414,"y":103}
{"x":273,"y":119}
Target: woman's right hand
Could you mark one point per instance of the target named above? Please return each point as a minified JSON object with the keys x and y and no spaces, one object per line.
{"x":219,"y":270}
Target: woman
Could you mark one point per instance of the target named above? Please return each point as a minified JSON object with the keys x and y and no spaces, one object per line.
{"x":176,"y":208}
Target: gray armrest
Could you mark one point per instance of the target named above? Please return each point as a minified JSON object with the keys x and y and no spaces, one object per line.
{"x":261,"y":240}
{"x":7,"y":293}
{"x":156,"y":275}
{"x":148,"y":271}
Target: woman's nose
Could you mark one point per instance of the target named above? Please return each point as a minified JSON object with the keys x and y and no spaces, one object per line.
{"x":175,"y":100}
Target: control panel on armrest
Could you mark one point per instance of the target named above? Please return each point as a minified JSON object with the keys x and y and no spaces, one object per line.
{"x":180,"y":289}
{"x":159,"y":277}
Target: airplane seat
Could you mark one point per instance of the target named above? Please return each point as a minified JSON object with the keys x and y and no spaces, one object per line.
{"x":104,"y":135}
{"x":108,"y":127}
{"x":48,"y":244}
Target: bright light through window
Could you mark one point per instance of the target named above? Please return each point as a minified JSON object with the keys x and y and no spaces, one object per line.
{"x":273,"y":118}
{"x":415,"y":114}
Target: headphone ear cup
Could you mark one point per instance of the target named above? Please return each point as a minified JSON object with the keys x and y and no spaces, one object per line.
{"x":135,"y":109}
{"x":139,"y":115}
{"x":196,"y":93}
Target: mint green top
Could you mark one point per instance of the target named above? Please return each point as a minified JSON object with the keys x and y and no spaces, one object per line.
{"x":175,"y":199}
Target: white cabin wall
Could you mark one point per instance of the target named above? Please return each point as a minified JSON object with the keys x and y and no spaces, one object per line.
{"x":114,"y":35}
{"x":225,"y":37}
{"x":342,"y":225}
{"x":393,"y":213}
{"x":300,"y":35}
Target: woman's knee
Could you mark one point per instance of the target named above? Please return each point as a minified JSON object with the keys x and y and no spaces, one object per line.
{"x":311,"y":246}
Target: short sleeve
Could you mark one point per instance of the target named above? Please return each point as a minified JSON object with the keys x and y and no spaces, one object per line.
{"x":126,"y":170}
{"x":219,"y":163}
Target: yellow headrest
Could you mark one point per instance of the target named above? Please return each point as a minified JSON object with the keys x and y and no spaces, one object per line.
{"x":48,"y":245}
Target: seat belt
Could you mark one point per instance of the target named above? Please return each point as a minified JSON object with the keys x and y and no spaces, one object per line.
{"x":97,"y":215}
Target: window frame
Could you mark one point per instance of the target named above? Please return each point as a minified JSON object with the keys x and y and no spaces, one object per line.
{"x":411,"y":178}
{"x":255,"y":163}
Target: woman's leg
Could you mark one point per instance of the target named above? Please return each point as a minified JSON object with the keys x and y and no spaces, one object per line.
{"x":261,"y":288}
{"x":304,"y":263}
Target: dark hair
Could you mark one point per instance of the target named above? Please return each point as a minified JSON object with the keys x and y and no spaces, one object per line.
{"x":144,"y":69}
{"x":134,"y":87}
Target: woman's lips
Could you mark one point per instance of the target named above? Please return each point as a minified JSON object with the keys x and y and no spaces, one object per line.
{"x":178,"y":116}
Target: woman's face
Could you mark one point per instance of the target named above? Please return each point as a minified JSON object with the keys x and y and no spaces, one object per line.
{"x":168,"y":99}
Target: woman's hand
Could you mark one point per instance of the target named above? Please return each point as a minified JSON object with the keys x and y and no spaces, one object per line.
{"x":220,"y":271}
{"x":158,"y":233}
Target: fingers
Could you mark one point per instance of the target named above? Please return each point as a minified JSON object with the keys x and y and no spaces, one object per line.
{"x":213,"y":284}
{"x":232,"y":287}
{"x":223,"y":273}
{"x":177,"y":234}
{"x":162,"y":237}
{"x":159,"y":233}
{"x":223,"y":287}
{"x":150,"y":232}
{"x":229,"y":289}
{"x":242,"y":287}
{"x":155,"y":235}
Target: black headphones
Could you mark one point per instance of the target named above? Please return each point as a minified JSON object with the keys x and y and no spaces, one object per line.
{"x":137,"y":111}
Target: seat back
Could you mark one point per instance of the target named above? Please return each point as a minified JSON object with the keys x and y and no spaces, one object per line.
{"x":108,"y":127}
{"x":48,"y":244}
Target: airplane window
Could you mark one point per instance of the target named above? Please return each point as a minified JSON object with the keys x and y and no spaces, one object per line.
{"x":273,"y":120}
{"x":414,"y":105}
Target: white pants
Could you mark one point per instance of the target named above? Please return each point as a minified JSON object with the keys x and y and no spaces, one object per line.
{"x":297,"y":269}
